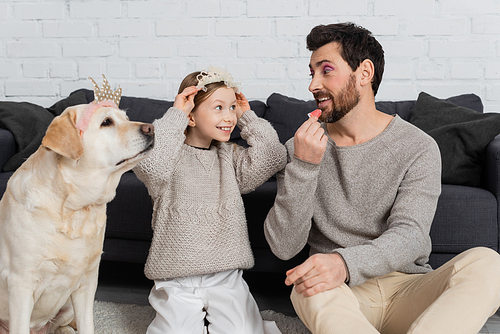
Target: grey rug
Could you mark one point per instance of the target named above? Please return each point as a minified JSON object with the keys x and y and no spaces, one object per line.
{"x":113,"y":318}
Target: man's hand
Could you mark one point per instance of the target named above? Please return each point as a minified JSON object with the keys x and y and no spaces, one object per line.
{"x":320,"y":272}
{"x":310,"y":141}
{"x":185,"y":100}
{"x":242,"y":104}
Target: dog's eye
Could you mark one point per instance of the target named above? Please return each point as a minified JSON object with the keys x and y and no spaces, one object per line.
{"x":107,"y":122}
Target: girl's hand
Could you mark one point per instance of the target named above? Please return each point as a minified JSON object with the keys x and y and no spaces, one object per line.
{"x":242,"y":104}
{"x":185,"y":100}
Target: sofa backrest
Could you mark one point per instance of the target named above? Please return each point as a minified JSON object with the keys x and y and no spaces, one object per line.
{"x":285,"y":113}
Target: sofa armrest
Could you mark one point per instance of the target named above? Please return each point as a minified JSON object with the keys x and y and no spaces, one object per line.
{"x":491,"y":175}
{"x":7,"y":146}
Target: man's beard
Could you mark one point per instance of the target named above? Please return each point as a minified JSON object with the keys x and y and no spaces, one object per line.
{"x":342,"y":103}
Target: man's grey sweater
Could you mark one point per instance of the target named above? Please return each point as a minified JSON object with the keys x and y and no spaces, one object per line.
{"x":372,"y":203}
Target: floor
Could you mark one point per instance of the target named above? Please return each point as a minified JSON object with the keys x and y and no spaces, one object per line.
{"x":126,"y":283}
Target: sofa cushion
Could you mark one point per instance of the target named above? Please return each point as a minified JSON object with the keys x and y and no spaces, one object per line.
{"x":405,"y":108}
{"x":465,"y":218}
{"x":4,"y":178}
{"x":130,"y":212}
{"x":140,"y":109}
{"x":77,"y":97}
{"x":7,"y":147}
{"x":259,"y":108}
{"x":402,"y":108}
{"x":257,"y":205}
{"x":462,"y":135}
{"x":287,"y":114}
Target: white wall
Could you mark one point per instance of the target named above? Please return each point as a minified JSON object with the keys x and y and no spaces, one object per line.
{"x":48,"y":48}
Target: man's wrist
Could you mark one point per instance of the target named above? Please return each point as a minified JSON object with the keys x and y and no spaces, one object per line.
{"x":346,"y":281}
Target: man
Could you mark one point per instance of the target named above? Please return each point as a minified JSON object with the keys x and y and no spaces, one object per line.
{"x":361,"y":189}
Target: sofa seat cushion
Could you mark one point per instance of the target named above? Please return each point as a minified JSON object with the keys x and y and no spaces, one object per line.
{"x":467,"y":217}
{"x":130,"y":212}
{"x":4,"y":178}
{"x":257,"y":205}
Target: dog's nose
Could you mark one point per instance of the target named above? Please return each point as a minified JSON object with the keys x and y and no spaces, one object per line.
{"x":148,"y":129}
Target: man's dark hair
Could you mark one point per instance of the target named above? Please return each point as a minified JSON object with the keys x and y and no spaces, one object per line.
{"x":356,"y":45}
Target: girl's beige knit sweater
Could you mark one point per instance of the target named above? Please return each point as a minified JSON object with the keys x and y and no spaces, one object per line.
{"x":199,"y":219}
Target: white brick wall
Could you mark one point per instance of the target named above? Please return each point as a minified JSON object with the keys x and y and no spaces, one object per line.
{"x":48,"y":48}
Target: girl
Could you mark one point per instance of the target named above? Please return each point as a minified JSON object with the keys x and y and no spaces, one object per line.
{"x":200,"y":244}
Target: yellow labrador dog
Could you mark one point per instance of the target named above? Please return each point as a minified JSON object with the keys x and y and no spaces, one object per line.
{"x":53,"y":216}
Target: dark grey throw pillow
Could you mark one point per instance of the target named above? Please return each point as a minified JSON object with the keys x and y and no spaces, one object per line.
{"x":287,"y":114}
{"x":259,"y":108}
{"x":462,"y":135}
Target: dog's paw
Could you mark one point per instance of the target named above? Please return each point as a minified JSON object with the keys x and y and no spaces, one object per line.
{"x":65,"y":330}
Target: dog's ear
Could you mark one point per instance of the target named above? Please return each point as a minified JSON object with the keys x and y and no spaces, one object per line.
{"x":63,"y":137}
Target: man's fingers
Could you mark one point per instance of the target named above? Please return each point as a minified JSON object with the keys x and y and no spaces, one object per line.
{"x":308,"y":283}
{"x":298,"y":272}
{"x":320,"y":287}
{"x":310,"y":129}
{"x":307,"y":124}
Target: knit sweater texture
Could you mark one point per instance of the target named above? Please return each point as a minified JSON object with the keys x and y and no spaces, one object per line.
{"x":372,"y":203}
{"x":198,"y":218}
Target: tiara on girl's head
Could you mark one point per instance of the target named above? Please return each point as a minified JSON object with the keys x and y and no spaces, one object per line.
{"x":216,"y":74}
{"x":106,"y":93}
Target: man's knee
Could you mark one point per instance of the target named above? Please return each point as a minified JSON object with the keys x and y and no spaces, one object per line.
{"x":480,"y":265}
{"x":341,"y":295}
{"x":482,"y":258}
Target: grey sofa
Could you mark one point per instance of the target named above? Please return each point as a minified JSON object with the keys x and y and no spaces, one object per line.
{"x":467,"y":213}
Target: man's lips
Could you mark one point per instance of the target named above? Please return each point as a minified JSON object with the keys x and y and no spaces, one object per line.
{"x":322,"y":101}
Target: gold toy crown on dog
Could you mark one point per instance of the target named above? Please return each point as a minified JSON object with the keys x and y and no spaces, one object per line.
{"x":106,"y":93}
{"x":216,"y":74}
{"x":104,"y":97}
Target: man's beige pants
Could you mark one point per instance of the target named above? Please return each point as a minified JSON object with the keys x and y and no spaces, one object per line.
{"x":458,"y":297}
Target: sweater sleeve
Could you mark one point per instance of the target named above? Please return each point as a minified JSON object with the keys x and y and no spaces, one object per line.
{"x":156,"y":170}
{"x":264,"y":157}
{"x":288,"y":223}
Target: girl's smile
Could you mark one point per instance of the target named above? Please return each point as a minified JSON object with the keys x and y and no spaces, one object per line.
{"x":213,"y":119}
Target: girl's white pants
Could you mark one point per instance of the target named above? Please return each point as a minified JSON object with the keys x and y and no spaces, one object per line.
{"x":223,"y":299}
